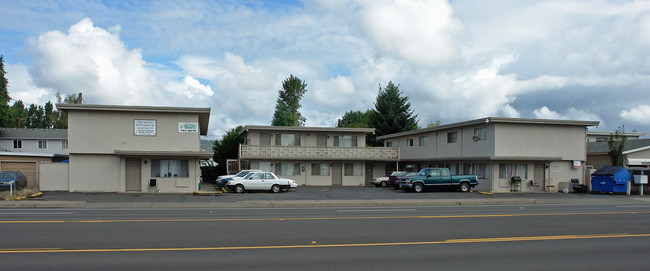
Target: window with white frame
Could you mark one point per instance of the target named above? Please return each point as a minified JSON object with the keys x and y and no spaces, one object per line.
{"x":320,"y":169}
{"x":423,"y":140}
{"x":345,"y":141}
{"x":452,"y":137}
{"x":409,"y":142}
{"x":64,"y":144}
{"x":18,"y":144}
{"x":389,"y":143}
{"x":287,"y":169}
{"x":287,"y":139}
{"x":42,"y":144}
{"x":352,"y":169}
{"x":170,"y":168}
{"x":480,"y":134}
{"x":507,"y":171}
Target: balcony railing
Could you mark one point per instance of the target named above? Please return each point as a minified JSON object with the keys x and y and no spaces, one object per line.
{"x":318,"y":153}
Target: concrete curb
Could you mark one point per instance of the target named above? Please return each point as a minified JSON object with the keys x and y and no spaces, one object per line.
{"x":313,"y":203}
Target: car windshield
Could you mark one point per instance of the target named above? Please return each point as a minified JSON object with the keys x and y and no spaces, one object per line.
{"x":242,"y":173}
{"x":424,"y":172}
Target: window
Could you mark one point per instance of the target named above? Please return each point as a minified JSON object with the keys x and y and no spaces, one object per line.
{"x":287,"y":169}
{"x":345,"y":141}
{"x":507,"y":171}
{"x":42,"y":144}
{"x":423,"y":140}
{"x":265,"y":139}
{"x":321,"y":140}
{"x":389,"y":143}
{"x":320,"y":169}
{"x":64,"y":144}
{"x":479,"y":134}
{"x":409,"y":142}
{"x":452,"y":137}
{"x":480,"y":170}
{"x":287,"y":140}
{"x":18,"y":144}
{"x":265,"y":166}
{"x":169,"y":168}
{"x":352,"y":169}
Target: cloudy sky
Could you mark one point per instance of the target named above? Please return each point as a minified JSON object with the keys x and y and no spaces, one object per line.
{"x":456,"y":60}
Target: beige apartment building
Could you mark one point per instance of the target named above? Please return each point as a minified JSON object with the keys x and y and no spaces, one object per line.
{"x":134,"y":148}
{"x":546,"y":154}
{"x":315,"y":156}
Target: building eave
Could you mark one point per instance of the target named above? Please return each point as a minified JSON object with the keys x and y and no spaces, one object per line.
{"x":248,"y":128}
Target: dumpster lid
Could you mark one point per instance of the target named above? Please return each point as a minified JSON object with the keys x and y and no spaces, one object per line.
{"x":607,"y":170}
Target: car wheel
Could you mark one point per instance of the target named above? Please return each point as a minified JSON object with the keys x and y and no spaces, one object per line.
{"x":383,"y":184}
{"x":418,"y":187}
{"x":239,"y":188}
{"x":464,"y":187}
{"x":275,"y":188}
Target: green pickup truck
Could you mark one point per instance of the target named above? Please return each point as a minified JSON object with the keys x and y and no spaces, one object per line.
{"x":438,"y":178}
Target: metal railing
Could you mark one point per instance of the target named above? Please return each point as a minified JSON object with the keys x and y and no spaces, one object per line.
{"x":319,"y":153}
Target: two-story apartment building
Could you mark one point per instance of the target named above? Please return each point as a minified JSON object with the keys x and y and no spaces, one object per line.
{"x":546,"y":152}
{"x":135,"y":148}
{"x":315,"y":156}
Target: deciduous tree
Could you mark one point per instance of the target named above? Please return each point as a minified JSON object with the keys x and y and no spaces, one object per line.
{"x":227,"y":148}
{"x":616,"y":144}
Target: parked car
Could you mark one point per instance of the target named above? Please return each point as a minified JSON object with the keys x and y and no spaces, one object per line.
{"x":396,"y":182}
{"x":438,"y":178}
{"x":7,"y":176}
{"x":260,"y":181}
{"x":384,"y":181}
{"x":223,"y":179}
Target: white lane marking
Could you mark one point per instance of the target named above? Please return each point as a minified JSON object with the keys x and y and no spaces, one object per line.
{"x":376,"y":210}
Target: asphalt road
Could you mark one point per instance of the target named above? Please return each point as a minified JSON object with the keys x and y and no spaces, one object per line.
{"x":507,"y":237}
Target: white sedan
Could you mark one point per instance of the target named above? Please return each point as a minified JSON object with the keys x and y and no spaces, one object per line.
{"x":260,"y":181}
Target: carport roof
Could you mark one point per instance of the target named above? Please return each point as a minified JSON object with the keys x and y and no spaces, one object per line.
{"x":203,"y":112}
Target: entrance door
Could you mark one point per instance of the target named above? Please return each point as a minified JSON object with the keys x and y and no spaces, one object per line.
{"x":539,"y":175}
{"x":133,"y":175}
{"x":369,"y":169}
{"x":337,"y":174}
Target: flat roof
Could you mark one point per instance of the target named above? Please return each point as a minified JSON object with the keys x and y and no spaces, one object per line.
{"x":307,"y":129}
{"x":494,"y":120}
{"x":203,"y":112}
{"x":198,"y":154}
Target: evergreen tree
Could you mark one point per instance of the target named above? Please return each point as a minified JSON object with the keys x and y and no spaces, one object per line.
{"x":392,"y":114}
{"x":288,"y":103}
{"x":227,"y":148}
{"x":5,"y":116}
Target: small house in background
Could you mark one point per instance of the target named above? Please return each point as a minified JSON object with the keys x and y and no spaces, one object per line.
{"x":612,"y":179}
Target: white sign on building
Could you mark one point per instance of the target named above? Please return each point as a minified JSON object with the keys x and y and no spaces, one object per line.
{"x":188,"y":127}
{"x":144,"y":128}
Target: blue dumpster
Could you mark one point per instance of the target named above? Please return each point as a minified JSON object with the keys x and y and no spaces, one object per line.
{"x":612,"y":179}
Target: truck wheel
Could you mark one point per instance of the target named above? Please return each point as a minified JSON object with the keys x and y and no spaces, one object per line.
{"x":418,"y":187}
{"x":275,"y":188}
{"x":383,"y":184}
{"x":239,"y":188}
{"x":464,"y":187}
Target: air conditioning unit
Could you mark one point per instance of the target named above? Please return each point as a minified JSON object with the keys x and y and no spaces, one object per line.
{"x":475,"y":138}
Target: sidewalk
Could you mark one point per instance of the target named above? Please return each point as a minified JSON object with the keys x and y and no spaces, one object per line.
{"x":308,"y":197}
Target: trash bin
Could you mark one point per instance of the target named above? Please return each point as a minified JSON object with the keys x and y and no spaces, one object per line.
{"x":611,"y":179}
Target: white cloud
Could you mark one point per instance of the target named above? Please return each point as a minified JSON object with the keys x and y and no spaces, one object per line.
{"x":19,"y":79}
{"x":572,"y":113}
{"x":417,"y":31}
{"x":96,"y":62}
{"x":639,"y":114}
